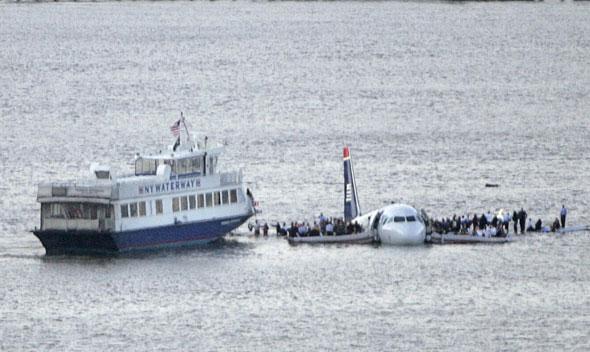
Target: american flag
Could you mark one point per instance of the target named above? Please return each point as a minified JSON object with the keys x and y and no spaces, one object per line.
{"x":175,"y":129}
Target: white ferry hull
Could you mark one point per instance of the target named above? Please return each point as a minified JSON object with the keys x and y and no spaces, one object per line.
{"x":59,"y":242}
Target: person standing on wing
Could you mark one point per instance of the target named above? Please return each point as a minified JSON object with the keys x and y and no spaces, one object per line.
{"x":563,"y":215}
{"x":522,"y":219}
{"x":515,"y":219}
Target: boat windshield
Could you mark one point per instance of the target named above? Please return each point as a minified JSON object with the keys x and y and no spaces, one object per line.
{"x":186,"y":166}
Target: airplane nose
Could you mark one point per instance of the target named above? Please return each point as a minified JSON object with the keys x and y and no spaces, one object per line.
{"x":403,"y":233}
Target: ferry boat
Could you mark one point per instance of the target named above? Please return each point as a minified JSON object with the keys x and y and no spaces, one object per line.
{"x":175,"y":198}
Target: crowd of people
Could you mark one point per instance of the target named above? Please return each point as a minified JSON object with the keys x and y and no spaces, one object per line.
{"x":323,"y":226}
{"x":498,"y":225}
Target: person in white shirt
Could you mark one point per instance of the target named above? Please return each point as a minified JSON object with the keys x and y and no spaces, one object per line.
{"x":302,"y":231}
{"x":329,"y":229}
{"x":489,"y":217}
{"x":493,"y":232}
{"x":256,"y":229}
{"x":479,"y":233}
{"x":507,"y":221}
{"x":563,"y":214}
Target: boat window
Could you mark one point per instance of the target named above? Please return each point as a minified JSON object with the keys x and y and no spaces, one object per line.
{"x":191,"y":201}
{"x":145,"y":166}
{"x":103,"y":175}
{"x":138,"y":167}
{"x":93,"y":211}
{"x":183,"y":203}
{"x":159,"y":206}
{"x":124,"y":211}
{"x":73,"y":210}
{"x":56,"y":210}
{"x":225,"y":197}
{"x":212,"y":164}
{"x":182,"y":166}
{"x":233,"y":196}
{"x":172,"y":165}
{"x":142,"y":209}
{"x":133,"y":210}
{"x":217,"y":198}
{"x":201,"y":200}
{"x":209,"y":200}
{"x":195,"y":165}
{"x":175,"y":204}
{"x":399,"y":219}
{"x":107,"y":212}
{"x":410,"y":218}
{"x":149,"y":166}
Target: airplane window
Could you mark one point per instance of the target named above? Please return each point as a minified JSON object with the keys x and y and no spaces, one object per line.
{"x":411,"y":218}
{"x":399,"y":219}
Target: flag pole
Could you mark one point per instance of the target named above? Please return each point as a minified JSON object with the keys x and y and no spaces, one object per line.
{"x":188,"y":136}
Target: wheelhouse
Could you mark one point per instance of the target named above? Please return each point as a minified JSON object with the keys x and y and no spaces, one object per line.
{"x":186,"y":164}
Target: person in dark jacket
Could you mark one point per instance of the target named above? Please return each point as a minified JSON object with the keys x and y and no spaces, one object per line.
{"x":515,"y":220}
{"x":522,"y":215}
{"x":555,"y":225}
{"x":495,"y":221}
{"x":539,"y":225}
{"x":483,"y":221}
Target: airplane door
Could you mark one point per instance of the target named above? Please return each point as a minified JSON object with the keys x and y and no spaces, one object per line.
{"x":375,"y":223}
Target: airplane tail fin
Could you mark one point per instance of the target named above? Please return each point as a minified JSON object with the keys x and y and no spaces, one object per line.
{"x":352,"y":208}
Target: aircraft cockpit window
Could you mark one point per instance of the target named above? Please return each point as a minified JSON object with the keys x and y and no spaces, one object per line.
{"x":411,"y":218}
{"x":399,"y":219}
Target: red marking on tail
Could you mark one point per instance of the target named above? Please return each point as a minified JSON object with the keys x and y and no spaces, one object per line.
{"x":346,"y":153}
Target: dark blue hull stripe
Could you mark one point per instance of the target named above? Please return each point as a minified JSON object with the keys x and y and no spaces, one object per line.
{"x":180,"y":235}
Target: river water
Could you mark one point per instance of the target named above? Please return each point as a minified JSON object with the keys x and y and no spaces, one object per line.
{"x":434,"y":99}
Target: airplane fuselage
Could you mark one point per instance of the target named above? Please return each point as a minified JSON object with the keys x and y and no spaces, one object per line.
{"x":395,"y":224}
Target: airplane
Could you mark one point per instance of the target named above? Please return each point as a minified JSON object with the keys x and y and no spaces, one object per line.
{"x":394,"y":224}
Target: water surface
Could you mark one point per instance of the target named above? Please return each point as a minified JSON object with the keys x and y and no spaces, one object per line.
{"x":435,"y":100}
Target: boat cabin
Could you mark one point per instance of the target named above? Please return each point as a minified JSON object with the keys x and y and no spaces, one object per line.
{"x":78,"y":216}
{"x":183,"y":164}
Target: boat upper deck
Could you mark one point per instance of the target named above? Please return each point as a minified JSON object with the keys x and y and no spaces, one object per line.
{"x":168,"y":172}
{"x":128,"y":187}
